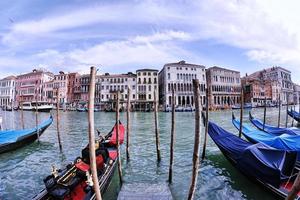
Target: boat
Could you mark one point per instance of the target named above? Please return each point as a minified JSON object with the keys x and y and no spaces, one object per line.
{"x":273,"y":169}
{"x":74,"y":181}
{"x":273,"y":129}
{"x":13,"y":139}
{"x":39,"y":106}
{"x":246,"y":106}
{"x":179,"y":109}
{"x":81,"y":109}
{"x":282,"y":142}
{"x":294,"y":114}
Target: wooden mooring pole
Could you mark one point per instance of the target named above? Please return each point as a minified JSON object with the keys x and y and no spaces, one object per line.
{"x":265,"y":112}
{"x":206,"y":123}
{"x":294,"y":110}
{"x":36,"y":118}
{"x":22,"y":115}
{"x":172,"y":137}
{"x":92,"y":134}
{"x":242,"y":110}
{"x":295,"y":189}
{"x":287,"y":108}
{"x":279,"y":110}
{"x":197,"y":140}
{"x":128,"y":124}
{"x":156,"y":127}
{"x":57,"y":120}
{"x":118,"y":138}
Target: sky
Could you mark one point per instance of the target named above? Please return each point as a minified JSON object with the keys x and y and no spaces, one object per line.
{"x":122,"y":36}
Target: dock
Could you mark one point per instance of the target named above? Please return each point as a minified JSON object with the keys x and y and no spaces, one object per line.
{"x":145,"y":191}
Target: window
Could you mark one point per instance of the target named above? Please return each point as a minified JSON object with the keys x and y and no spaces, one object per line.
{"x":155,"y":80}
{"x":133,"y":96}
{"x":149,"y":88}
{"x":149,"y":96}
{"x":169,"y":76}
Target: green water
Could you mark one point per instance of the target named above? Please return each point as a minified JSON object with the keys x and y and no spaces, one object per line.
{"x":22,"y":171}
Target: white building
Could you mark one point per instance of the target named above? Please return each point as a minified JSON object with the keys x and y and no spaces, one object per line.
{"x":147,"y":82}
{"x":180,"y":77}
{"x":61,"y":83}
{"x":224,"y":87}
{"x":110,"y":84}
{"x":8,"y":90}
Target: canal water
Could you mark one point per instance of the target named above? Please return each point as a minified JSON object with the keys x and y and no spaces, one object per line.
{"x":22,"y":171}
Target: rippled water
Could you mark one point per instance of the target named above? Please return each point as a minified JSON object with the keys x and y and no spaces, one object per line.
{"x":22,"y":171}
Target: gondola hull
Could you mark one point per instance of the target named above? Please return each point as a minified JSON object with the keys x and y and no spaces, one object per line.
{"x":72,"y":182}
{"x":23,"y":140}
{"x":104,"y":182}
{"x":271,"y":168}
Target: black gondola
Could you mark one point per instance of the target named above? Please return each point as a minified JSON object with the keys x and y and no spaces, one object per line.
{"x":73,"y":181}
{"x":274,"y":169}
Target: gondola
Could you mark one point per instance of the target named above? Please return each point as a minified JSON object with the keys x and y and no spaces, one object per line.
{"x":74,"y":181}
{"x":294,"y":114}
{"x":272,"y":168}
{"x":273,"y":129}
{"x":13,"y":139}
{"x":282,"y":142}
{"x":81,"y":109}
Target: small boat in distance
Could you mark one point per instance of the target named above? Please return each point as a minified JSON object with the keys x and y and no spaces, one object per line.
{"x":294,"y":114}
{"x":74,"y":181}
{"x":13,"y":139}
{"x":246,"y":106}
{"x":40,"y":106}
{"x":272,"y":168}
{"x":273,"y":129}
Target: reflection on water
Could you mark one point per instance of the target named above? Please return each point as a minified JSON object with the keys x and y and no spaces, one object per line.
{"x":22,"y":171}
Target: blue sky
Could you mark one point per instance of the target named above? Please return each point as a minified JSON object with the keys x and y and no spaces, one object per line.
{"x":121,"y":36}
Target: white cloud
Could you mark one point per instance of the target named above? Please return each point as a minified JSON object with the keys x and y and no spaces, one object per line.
{"x":267,"y":31}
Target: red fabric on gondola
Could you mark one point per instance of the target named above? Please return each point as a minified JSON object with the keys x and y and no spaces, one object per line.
{"x":113,"y":154}
{"x":288,"y":186}
{"x":78,"y":193}
{"x":82,"y":166}
{"x":113,"y":139}
{"x":100,"y":162}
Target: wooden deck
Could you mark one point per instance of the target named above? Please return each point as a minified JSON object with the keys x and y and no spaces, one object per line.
{"x":145,"y":191}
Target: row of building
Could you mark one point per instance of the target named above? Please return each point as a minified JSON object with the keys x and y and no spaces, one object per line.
{"x":224,"y":87}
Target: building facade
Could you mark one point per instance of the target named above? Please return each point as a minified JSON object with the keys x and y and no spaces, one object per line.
{"x":60,"y":84}
{"x":111,"y":84}
{"x":7,"y":91}
{"x":29,"y":87}
{"x":180,"y":77}
{"x":281,"y":83}
{"x":258,"y":91}
{"x":73,"y":88}
{"x":224,"y":87}
{"x":147,"y":83}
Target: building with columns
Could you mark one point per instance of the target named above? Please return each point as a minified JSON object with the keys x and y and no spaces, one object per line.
{"x":147,"y":83}
{"x":224,"y":87}
{"x":8,"y":90}
{"x":180,"y":76}
{"x":29,"y":86}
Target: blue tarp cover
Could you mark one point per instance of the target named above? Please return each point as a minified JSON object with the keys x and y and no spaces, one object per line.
{"x":273,"y":129}
{"x":283,"y":142}
{"x":258,"y":161}
{"x":10,"y":136}
{"x":294,"y":115}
